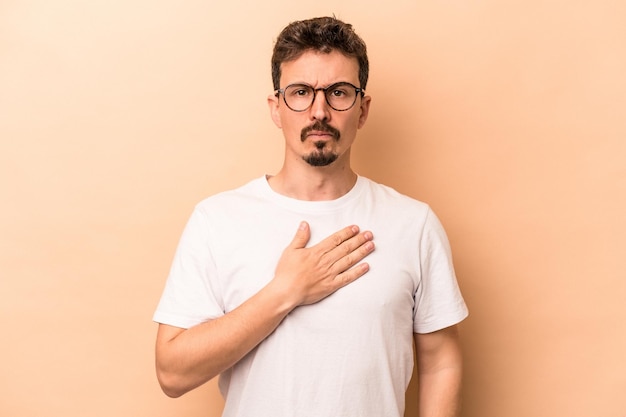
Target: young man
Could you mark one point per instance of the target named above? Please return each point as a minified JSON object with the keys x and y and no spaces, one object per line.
{"x":278,"y":286}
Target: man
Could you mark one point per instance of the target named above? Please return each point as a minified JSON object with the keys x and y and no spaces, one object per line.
{"x":278,"y":287}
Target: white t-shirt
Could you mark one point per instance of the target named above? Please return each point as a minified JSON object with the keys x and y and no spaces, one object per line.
{"x":347,"y":355}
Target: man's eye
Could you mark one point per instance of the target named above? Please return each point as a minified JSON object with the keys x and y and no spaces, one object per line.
{"x":338,"y":93}
{"x":302,"y":92}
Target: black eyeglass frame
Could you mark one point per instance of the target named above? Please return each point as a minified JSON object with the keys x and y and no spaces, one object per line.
{"x":357,"y":90}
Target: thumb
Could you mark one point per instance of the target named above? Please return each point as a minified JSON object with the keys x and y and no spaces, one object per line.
{"x":302,"y":236}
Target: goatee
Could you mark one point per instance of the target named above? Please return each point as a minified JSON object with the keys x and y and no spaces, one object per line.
{"x":319,"y":158}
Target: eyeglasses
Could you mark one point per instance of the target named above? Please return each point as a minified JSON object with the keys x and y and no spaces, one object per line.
{"x":339,"y":96}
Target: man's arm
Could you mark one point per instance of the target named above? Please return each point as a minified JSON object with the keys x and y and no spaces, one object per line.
{"x":439,"y":370}
{"x":187,"y":358}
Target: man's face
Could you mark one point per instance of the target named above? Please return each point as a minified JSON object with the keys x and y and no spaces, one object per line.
{"x":319,"y":135}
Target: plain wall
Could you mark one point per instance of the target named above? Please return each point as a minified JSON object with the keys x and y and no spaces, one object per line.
{"x":116,"y":117}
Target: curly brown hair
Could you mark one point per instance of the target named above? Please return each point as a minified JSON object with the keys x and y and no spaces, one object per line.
{"x":322,"y":34}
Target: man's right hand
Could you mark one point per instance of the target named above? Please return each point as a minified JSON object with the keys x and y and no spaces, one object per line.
{"x":310,"y":274}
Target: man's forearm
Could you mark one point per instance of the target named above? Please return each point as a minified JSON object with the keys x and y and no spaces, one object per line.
{"x":439,"y":372}
{"x":439,"y":393}
{"x":188,"y":358}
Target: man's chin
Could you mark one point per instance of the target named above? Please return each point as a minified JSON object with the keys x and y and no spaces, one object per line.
{"x":320,"y":159}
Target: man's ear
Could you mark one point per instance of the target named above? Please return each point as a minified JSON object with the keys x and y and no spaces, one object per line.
{"x":365,"y":109}
{"x":273,"y":104}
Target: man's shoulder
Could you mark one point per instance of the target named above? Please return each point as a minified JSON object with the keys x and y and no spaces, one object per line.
{"x":232,"y":202}
{"x":253,"y":187}
{"x":382,"y":192}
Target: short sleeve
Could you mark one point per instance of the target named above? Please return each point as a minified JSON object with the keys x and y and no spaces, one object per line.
{"x":192,"y":292}
{"x":438,"y":300}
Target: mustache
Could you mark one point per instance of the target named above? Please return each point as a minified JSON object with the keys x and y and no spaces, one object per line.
{"x":320,"y":126}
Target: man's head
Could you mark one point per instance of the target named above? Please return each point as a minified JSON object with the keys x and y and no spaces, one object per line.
{"x":322,"y":34}
{"x":320,"y":70}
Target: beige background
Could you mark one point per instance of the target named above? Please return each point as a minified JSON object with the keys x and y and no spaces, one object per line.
{"x":116,"y":117}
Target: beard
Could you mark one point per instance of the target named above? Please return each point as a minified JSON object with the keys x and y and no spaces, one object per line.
{"x":320,"y":157}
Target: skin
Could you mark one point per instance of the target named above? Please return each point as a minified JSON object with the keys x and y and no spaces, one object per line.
{"x":297,"y":178}
{"x":187,"y":358}
{"x":439,"y":372}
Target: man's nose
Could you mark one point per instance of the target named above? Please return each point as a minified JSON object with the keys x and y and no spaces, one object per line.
{"x":320,"y":110}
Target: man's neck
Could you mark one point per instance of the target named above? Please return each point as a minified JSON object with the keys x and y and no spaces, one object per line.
{"x":315,"y":184}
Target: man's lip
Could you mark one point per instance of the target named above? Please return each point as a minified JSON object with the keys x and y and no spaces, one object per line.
{"x":319,"y":133}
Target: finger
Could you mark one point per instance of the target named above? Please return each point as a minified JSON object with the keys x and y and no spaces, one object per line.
{"x":337,"y":238}
{"x":350,"y":245}
{"x":303,"y":234}
{"x":351,"y":275}
{"x":353,"y":254}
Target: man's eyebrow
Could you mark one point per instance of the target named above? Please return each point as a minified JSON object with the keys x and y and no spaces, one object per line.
{"x":312,"y":86}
